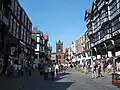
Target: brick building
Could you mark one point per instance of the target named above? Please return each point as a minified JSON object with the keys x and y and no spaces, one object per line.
{"x":60,"y":55}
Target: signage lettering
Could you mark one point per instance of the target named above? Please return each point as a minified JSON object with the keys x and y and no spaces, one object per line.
{"x":116,"y":33}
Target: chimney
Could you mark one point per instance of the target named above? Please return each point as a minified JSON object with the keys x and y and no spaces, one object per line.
{"x":35,"y":29}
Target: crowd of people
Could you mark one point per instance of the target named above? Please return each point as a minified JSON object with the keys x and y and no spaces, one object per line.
{"x":97,"y":68}
{"x":45,"y":69}
{"x":51,"y":70}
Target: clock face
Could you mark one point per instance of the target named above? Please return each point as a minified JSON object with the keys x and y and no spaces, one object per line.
{"x":59,"y":50}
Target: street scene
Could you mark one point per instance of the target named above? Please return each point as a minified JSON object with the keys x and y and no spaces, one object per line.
{"x":71,"y":80}
{"x":59,"y":45}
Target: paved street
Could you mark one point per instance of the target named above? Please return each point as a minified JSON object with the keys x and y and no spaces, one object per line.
{"x":70,"y":81}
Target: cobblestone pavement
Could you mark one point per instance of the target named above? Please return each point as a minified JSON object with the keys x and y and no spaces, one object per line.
{"x":72,"y":80}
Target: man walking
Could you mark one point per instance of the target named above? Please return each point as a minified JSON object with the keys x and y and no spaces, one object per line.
{"x":99,"y":71}
{"x":53,"y":71}
{"x":46,"y":71}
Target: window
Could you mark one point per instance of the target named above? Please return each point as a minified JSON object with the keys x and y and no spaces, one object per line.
{"x":40,"y":40}
{"x":21,"y":37}
{"x":115,"y":21}
{"x":113,"y":9}
{"x":27,"y":37}
{"x":15,"y":8}
{"x":23,"y":16}
{"x":43,"y":48}
{"x":24,"y":35}
{"x":11,"y":23}
{"x":101,"y":34}
{"x":25,"y":20}
{"x":18,"y":12}
{"x":30,"y":27}
{"x":17,"y":31}
{"x":115,"y":24}
{"x":116,"y":27}
{"x":14,"y":27}
{"x":28,"y":24}
{"x":12,"y":6}
{"x":113,"y":4}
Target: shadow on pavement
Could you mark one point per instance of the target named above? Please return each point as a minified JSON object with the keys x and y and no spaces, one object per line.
{"x":61,"y":76}
{"x":35,"y":82}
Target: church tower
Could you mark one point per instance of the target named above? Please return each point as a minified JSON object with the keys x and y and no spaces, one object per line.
{"x":59,"y":47}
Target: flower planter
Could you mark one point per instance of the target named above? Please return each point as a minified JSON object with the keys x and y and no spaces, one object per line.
{"x":116,"y":79}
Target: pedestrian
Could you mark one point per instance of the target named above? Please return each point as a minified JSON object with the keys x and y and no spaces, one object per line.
{"x":109,"y":67}
{"x":22,"y":70}
{"x":34,"y":67}
{"x":15,"y":69}
{"x":29,"y":70}
{"x":56,"y":69}
{"x":19,"y":69}
{"x":94,"y":70}
{"x":99,"y":71}
{"x":53,"y":71}
{"x":46,"y":71}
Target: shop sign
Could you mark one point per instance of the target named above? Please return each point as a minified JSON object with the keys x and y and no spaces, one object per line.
{"x":117,"y":76}
{"x":117,"y":53}
{"x":116,"y":32}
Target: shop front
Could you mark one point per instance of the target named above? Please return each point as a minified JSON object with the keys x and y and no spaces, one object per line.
{"x":116,"y":59}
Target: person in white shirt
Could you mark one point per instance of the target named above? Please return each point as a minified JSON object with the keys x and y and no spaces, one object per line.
{"x":56,"y":69}
{"x":109,"y":67}
{"x":94,"y":70}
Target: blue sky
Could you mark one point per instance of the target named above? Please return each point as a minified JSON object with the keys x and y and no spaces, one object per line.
{"x":61,"y":19}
